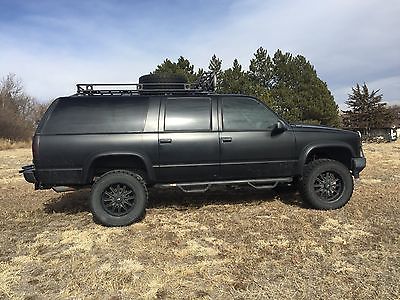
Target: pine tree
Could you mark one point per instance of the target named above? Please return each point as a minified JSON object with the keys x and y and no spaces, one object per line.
{"x":215,"y":66}
{"x":234,"y":80}
{"x":299,"y":94}
{"x":366,"y":109}
{"x":261,"y":68}
{"x":182,"y":67}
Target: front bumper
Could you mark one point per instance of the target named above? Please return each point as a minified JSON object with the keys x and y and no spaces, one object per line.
{"x":29,"y":173}
{"x":358,"y":164}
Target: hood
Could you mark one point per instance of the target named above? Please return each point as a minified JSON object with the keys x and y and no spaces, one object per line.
{"x":303,"y":127}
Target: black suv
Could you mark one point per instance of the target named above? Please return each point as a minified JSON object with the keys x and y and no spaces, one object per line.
{"x":165,"y":132}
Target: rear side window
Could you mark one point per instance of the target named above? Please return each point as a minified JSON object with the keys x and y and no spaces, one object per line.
{"x":97,"y":115}
{"x":188,"y":114}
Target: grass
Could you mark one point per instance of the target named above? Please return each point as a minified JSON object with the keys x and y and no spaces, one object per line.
{"x":11,"y":144}
{"x":223,"y":244}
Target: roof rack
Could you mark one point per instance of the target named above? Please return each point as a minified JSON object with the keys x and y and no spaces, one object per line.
{"x":204,"y":85}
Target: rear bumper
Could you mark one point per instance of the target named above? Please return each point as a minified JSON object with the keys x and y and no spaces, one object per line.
{"x":358,"y":164}
{"x":29,"y":173}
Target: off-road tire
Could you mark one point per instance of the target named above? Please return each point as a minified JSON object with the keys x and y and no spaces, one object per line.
{"x":317,"y":168}
{"x":162,"y":78}
{"x":125,"y":178}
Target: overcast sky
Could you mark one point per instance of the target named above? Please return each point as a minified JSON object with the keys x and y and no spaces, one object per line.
{"x":52,"y":45}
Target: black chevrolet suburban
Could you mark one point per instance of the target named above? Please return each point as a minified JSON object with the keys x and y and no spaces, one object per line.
{"x":166,"y":132}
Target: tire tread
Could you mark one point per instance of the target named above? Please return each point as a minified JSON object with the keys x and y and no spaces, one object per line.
{"x":138,"y":177}
{"x":308,"y":169}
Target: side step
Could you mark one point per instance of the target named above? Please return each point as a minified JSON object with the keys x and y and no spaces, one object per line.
{"x":201,"y":187}
{"x":263,"y":186}
{"x":61,"y":189}
{"x":185,"y":188}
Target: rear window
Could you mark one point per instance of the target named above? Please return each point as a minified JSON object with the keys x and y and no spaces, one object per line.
{"x":97,"y":115}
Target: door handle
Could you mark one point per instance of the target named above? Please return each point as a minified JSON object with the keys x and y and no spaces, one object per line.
{"x":165,"y":141}
{"x":226,"y":139}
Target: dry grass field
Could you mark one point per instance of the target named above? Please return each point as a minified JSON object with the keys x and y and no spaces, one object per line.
{"x":6,"y":144}
{"x":241,"y":244}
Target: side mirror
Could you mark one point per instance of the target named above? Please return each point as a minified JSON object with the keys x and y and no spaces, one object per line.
{"x":279,"y":127}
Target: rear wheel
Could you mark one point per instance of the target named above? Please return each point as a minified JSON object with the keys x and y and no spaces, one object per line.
{"x":326,"y":184}
{"x":118,"y":198}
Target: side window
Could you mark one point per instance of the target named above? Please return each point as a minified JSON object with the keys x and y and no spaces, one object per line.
{"x":241,"y":113}
{"x":93,"y":114}
{"x":188,"y":114}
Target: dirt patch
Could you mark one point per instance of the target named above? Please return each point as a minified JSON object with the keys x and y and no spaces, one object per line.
{"x":223,"y":244}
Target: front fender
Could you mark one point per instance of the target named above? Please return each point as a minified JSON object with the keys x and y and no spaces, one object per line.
{"x":318,"y":145}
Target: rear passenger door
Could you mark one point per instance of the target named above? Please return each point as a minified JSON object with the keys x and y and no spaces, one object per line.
{"x":188,"y":140}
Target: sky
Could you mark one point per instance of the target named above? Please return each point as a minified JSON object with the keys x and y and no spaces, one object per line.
{"x":52,"y":45}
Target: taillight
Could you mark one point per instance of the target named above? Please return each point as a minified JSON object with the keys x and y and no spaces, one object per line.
{"x":35,"y":147}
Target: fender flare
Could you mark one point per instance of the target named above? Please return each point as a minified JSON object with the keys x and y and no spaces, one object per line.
{"x":310,"y":147}
{"x":146,"y":161}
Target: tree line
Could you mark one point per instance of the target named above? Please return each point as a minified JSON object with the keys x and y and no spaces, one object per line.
{"x":290,"y":85}
{"x":19,"y":112}
{"x":287,"y":83}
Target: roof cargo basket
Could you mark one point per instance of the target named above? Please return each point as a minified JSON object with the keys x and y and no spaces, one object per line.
{"x":204,"y":85}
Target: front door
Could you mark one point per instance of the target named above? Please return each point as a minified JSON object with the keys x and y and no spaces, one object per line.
{"x":188,"y":140}
{"x":250,"y":146}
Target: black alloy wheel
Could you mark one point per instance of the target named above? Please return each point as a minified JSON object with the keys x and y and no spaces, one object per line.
{"x":118,"y":199}
{"x":326,"y":184}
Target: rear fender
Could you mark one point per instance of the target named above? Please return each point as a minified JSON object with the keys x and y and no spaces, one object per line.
{"x":146,"y":161}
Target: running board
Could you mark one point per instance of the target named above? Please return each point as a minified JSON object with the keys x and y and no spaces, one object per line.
{"x":268,"y":183}
{"x":198,"y":190}
{"x":262,"y":187}
{"x":61,"y":189}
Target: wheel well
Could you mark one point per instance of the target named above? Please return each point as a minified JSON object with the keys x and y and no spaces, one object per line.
{"x":340,"y":154}
{"x":108,"y":163}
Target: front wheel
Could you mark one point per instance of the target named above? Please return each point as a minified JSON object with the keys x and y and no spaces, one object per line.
{"x":118,"y":198}
{"x":326,"y":184}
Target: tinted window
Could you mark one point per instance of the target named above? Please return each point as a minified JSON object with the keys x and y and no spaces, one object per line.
{"x":97,"y":115}
{"x":188,"y":114}
{"x":240,"y":113}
